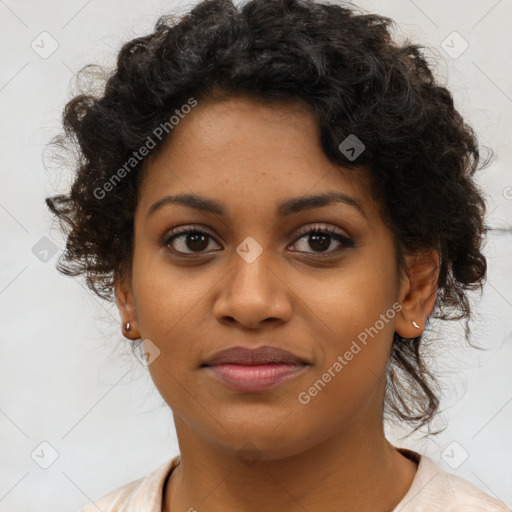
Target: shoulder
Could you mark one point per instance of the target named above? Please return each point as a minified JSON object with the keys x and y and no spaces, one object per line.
{"x":434,"y":489}
{"x":115,"y":499}
{"x":143,"y":494}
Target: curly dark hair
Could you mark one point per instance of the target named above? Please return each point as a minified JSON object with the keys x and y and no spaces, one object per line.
{"x":343,"y":64}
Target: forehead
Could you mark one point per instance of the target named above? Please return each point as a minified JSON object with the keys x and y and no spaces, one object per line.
{"x":243,"y":148}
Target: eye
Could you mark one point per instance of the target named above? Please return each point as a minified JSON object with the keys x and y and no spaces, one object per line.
{"x":185,"y":240}
{"x":320,"y":239}
{"x":187,"y":237}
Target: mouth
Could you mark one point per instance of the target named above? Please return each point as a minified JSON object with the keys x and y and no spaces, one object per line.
{"x":254,"y":370}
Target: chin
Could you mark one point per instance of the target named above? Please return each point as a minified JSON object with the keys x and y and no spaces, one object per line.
{"x":253,"y":440}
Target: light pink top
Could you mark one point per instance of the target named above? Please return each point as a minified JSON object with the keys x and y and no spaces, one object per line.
{"x":432,"y":490}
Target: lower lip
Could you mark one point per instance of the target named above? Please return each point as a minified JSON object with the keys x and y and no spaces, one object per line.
{"x":257,"y":377}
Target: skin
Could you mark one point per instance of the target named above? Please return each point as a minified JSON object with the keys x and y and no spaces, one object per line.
{"x":329,"y":454}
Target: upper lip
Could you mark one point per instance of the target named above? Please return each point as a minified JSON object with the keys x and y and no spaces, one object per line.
{"x":253,"y":356}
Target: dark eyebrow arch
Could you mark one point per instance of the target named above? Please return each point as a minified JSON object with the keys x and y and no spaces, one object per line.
{"x":299,"y":204}
{"x":288,"y":207}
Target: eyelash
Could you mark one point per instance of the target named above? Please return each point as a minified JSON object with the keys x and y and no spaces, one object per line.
{"x":346,"y":242}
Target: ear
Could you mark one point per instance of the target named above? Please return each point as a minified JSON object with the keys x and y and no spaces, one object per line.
{"x":418,"y":292}
{"x":126,"y":304}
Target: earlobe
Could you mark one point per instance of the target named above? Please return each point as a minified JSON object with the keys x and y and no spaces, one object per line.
{"x":418,"y":292}
{"x":126,"y":306}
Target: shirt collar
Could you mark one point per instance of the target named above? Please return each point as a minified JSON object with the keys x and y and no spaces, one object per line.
{"x":148,"y":495}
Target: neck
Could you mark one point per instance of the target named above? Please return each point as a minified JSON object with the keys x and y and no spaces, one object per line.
{"x":352,"y":471}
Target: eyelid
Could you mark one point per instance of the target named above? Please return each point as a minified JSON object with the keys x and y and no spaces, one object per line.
{"x":185,"y":229}
{"x":346,"y":241}
{"x":311,"y":228}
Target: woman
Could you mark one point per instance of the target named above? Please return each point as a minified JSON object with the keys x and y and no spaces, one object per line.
{"x":277,"y":196}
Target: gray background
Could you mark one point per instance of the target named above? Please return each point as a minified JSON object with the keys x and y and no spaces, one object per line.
{"x":67,"y":377}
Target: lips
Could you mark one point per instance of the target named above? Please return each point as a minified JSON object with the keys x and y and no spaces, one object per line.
{"x":254,"y":370}
{"x":251,"y":357}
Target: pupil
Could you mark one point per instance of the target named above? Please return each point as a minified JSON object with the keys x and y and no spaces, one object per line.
{"x":316,"y":239}
{"x":197,"y":242}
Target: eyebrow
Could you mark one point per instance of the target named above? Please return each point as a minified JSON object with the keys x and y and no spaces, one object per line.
{"x":285,"y":208}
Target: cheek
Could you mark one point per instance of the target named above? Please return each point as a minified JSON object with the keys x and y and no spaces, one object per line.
{"x":164,"y":294}
{"x":353,"y":297}
{"x":349,"y":380}
{"x":353,"y":316}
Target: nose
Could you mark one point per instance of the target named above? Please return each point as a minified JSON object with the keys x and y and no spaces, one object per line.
{"x":253,"y":293}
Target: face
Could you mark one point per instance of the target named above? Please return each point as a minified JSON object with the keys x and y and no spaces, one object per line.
{"x":317,"y":279}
